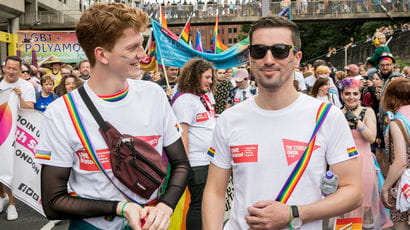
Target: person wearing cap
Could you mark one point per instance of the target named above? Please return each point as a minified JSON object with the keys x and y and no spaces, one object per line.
{"x":242,"y":91}
{"x":379,"y":40}
{"x":51,"y":66}
{"x":352,"y":70}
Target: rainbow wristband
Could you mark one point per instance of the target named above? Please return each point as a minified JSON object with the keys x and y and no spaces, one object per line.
{"x":122,"y":209}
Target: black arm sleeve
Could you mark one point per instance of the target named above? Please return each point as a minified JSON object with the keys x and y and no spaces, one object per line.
{"x":57,"y":204}
{"x":180,"y":169}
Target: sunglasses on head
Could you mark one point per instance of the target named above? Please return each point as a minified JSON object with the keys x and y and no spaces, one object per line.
{"x":279,"y":51}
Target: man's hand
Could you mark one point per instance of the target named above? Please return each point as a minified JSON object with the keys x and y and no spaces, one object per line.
{"x":158,"y":217}
{"x":17,"y":90}
{"x":133,"y":212}
{"x":268,"y":214}
{"x":169,"y":93}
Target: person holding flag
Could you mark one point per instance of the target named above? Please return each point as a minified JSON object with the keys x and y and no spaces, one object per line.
{"x":277,"y":145}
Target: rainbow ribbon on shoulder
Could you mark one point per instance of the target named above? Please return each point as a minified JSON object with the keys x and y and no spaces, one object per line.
{"x":85,"y":141}
{"x":303,"y":162}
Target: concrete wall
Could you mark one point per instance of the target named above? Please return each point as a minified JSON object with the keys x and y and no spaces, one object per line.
{"x":399,"y":46}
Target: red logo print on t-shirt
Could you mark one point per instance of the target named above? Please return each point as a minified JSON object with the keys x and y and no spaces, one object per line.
{"x":202,"y":117}
{"x":244,"y":153}
{"x":295,"y":149}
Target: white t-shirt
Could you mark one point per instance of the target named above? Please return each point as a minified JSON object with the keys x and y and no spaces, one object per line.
{"x":189,"y":109}
{"x":301,"y":80}
{"x":263,"y":151}
{"x":144,"y":112}
{"x":27,"y":89}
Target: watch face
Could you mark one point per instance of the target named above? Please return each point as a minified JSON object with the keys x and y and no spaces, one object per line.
{"x":296,"y":223}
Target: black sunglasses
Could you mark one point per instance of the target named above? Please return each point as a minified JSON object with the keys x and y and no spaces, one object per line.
{"x":24,"y":71}
{"x":279,"y":51}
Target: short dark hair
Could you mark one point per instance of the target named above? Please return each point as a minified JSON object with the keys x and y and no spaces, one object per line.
{"x":81,"y":62}
{"x":277,"y":21}
{"x":191,"y":73}
{"x":14,"y":58}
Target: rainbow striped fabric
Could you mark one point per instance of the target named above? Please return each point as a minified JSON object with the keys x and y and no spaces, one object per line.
{"x":162,"y":18}
{"x":186,"y":31}
{"x":150,"y":63}
{"x":303,"y":162}
{"x":85,"y":141}
{"x":352,"y":151}
{"x":211,"y":152}
{"x":116,"y":96}
{"x":348,"y":224}
{"x":217,"y":45}
{"x":44,"y":155}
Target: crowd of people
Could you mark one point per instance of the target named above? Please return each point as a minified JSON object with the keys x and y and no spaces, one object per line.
{"x":259,"y":126}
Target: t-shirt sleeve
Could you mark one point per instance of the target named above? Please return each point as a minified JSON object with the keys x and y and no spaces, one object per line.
{"x":29,"y":93}
{"x":340,"y":143}
{"x":171,"y":127}
{"x":184,"y":110}
{"x":53,"y":148}
{"x":219,"y":151}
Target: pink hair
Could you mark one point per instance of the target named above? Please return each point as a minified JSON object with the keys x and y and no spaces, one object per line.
{"x":349,"y":83}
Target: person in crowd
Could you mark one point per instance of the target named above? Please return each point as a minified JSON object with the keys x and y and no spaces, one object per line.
{"x":68,"y":83}
{"x":385,"y":65}
{"x":228,"y":76}
{"x":46,"y":95}
{"x":84,"y":68}
{"x":249,"y":149}
{"x":242,"y":91}
{"x":379,"y":40}
{"x":51,"y":66}
{"x":331,"y":96}
{"x":339,"y":76}
{"x":396,"y":68}
{"x":26,"y":74}
{"x":196,"y":117}
{"x":27,"y":97}
{"x":299,"y":80}
{"x":352,"y":70}
{"x":320,"y":90}
{"x":158,"y":75}
{"x":396,"y":99}
{"x":172,"y":74}
{"x":147,"y":76}
{"x":222,"y":88}
{"x":111,"y":36}
{"x":362,"y":123}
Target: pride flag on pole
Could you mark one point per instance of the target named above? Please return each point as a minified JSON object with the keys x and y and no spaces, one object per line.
{"x":198,"y":42}
{"x":217,"y":45}
{"x":162,"y":18}
{"x":186,"y":31}
{"x":150,"y":63}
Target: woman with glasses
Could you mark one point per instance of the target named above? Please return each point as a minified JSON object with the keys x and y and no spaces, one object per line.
{"x":362,"y":123}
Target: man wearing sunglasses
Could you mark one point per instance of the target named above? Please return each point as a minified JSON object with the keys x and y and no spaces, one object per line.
{"x":261,"y":140}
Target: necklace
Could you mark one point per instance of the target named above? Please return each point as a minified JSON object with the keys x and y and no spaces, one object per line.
{"x":353,"y":109}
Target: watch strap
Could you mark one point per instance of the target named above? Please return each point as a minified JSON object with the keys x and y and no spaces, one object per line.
{"x":295,"y":211}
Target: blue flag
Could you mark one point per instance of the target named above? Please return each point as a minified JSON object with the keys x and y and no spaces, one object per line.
{"x":175,"y":52}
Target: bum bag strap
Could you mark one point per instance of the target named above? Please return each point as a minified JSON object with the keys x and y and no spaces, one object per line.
{"x":93,"y":110}
{"x":86,"y":142}
{"x":303,"y":162}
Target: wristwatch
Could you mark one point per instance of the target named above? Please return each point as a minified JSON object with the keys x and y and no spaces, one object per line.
{"x":296,"y":222}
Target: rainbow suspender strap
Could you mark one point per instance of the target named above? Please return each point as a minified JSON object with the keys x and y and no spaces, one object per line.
{"x":303,"y":162}
{"x":86,"y":142}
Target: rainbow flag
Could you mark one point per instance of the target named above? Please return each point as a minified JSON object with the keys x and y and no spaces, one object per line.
{"x":217,"y":45}
{"x":198,"y":42}
{"x":186,"y":31}
{"x":150,"y":63}
{"x":162,"y":18}
{"x":348,"y":224}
